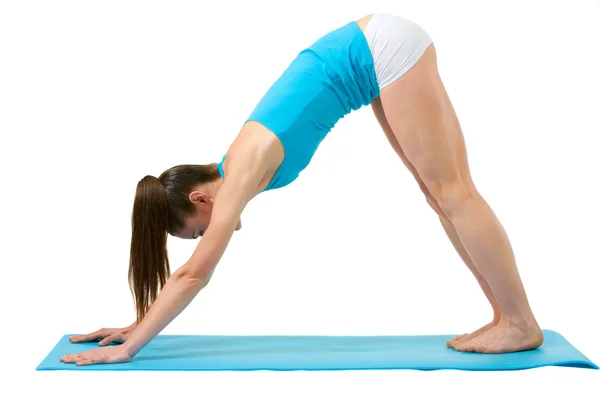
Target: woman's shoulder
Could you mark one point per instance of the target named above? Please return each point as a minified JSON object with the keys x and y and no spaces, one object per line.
{"x":255,"y":155}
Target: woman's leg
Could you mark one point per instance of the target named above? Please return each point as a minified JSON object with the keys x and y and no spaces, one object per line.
{"x":446,"y":224}
{"x":423,"y":121}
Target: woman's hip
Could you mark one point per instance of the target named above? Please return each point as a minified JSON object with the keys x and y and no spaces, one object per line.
{"x":396,"y":45}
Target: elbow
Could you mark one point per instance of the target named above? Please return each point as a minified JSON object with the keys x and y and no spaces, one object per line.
{"x":197,"y":282}
{"x":194,"y":279}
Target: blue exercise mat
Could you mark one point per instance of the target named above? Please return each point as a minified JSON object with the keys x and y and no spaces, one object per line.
{"x":204,"y":353}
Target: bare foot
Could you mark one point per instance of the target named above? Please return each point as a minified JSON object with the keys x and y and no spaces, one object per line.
{"x":505,"y":337}
{"x":461,"y":338}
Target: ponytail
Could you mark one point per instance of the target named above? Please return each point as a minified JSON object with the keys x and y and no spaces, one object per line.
{"x":148,"y":263}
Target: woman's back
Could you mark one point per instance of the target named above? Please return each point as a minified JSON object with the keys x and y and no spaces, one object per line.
{"x":324,"y":83}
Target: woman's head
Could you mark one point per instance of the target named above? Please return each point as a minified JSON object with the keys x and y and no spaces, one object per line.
{"x":178,"y":202}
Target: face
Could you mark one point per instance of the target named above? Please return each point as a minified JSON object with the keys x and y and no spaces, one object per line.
{"x":196,"y":225}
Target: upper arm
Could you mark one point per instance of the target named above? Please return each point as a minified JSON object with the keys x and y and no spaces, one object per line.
{"x":236,"y":190}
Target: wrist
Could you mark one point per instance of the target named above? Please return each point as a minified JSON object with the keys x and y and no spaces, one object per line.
{"x":128,"y":349}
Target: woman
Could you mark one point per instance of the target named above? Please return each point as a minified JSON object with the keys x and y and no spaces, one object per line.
{"x":382,"y":60}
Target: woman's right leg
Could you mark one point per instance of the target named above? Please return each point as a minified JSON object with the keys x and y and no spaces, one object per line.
{"x":446,"y":224}
{"x":423,"y":121}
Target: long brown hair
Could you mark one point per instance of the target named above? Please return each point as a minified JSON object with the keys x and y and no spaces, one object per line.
{"x":159,"y":208}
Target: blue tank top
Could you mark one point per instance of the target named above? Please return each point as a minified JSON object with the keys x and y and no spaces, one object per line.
{"x":324,"y":83}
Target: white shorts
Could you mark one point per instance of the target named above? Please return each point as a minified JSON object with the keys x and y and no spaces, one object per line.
{"x":396,"y":45}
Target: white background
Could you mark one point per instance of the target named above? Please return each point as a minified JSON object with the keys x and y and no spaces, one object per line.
{"x":95,"y":95}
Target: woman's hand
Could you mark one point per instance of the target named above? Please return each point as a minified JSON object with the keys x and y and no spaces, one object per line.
{"x":105,"y":335}
{"x":105,"y":355}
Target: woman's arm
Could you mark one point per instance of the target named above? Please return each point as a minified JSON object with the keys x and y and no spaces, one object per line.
{"x":187,"y":281}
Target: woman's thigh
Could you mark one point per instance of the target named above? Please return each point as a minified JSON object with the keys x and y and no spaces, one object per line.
{"x":424,"y":123}
{"x":385,"y":126}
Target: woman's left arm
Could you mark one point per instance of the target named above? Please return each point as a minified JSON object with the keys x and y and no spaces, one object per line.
{"x":185,"y":283}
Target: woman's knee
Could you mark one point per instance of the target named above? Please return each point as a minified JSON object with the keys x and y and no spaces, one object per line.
{"x":454,"y":197}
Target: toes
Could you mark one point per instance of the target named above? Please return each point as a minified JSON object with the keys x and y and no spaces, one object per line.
{"x":468,"y":346}
{"x":457,"y":346}
{"x":460,"y":348}
{"x":452,"y":342}
{"x":459,"y":337}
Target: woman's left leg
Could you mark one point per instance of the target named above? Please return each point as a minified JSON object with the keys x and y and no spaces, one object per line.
{"x":423,"y":121}
{"x":446,"y":224}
